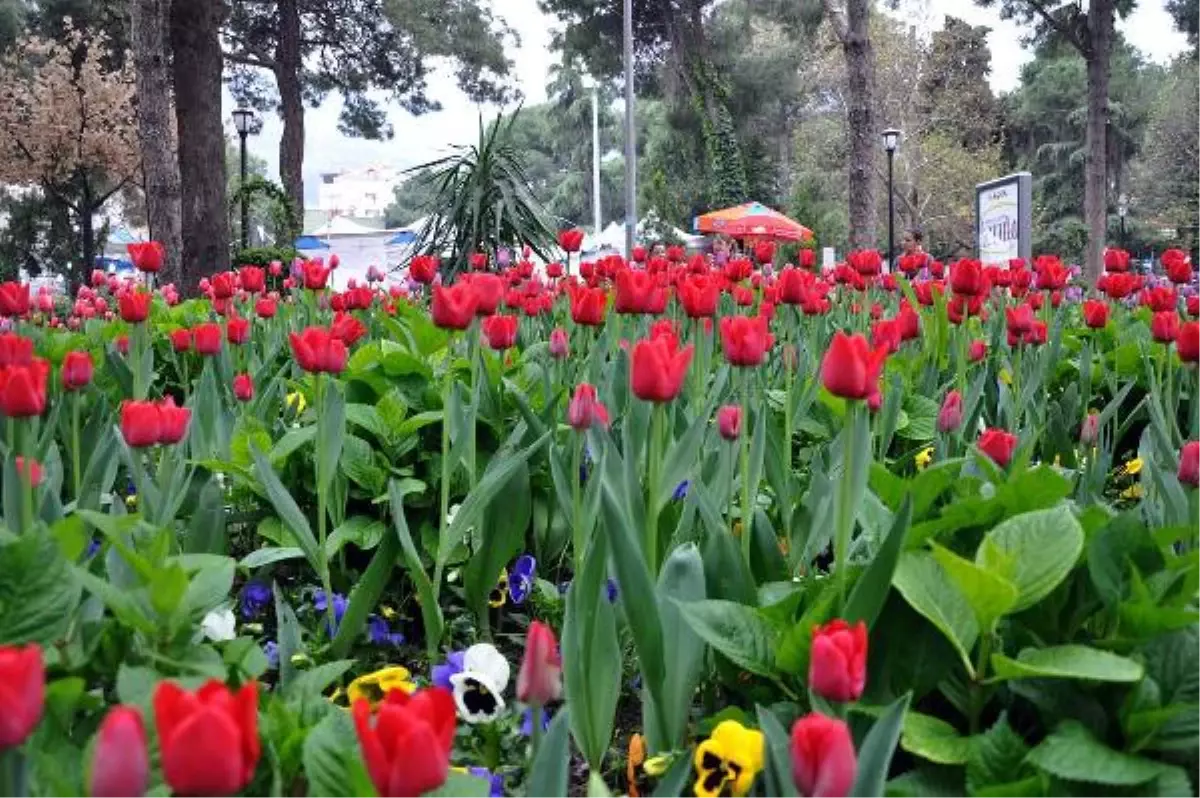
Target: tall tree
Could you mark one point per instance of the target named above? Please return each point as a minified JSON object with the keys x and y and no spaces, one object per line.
{"x":311,"y":48}
{"x":149,"y":22}
{"x":196,"y":44}
{"x":1090,"y":32}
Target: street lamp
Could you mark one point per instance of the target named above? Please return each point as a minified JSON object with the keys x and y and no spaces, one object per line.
{"x":594,"y":86}
{"x":243,"y":120}
{"x":891,"y":140}
{"x":1122,"y":212}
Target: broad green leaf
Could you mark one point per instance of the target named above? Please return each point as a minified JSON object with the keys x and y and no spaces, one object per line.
{"x":206,"y":529}
{"x":871,"y":590}
{"x":431,"y":611}
{"x":287,"y":637}
{"x":591,"y":657}
{"x":328,"y":751}
{"x":285,"y":506}
{"x":365,"y":596}
{"x":735,"y":630}
{"x":1035,"y":551}
{"x":777,"y":770}
{"x":681,"y":580}
{"x":462,"y":785}
{"x":1067,"y":662}
{"x":310,"y":684}
{"x":995,"y":757}
{"x":331,"y":432}
{"x":551,"y":768}
{"x":292,"y":440}
{"x":681,"y":459}
{"x":934,"y":739}
{"x":1072,"y":753}
{"x":270,"y":554}
{"x":927,"y":588}
{"x":989,"y":596}
{"x":504,"y":523}
{"x":38,"y":593}
{"x":875,"y":753}
{"x":363,"y":531}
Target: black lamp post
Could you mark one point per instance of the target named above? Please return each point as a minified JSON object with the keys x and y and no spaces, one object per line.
{"x":891,"y":140}
{"x":243,"y":120}
{"x":1122,"y":212}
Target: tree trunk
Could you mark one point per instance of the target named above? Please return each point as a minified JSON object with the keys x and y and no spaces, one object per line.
{"x":195,"y":39}
{"x":87,"y":236}
{"x":291,"y":105}
{"x":860,"y":117}
{"x":149,"y":29}
{"x":1095,"y":189}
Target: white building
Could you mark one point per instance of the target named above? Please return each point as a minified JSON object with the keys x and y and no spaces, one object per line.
{"x":360,"y":193}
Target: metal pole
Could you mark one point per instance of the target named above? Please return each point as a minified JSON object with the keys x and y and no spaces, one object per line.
{"x":891,"y":213}
{"x":630,"y":155}
{"x":245,"y":203}
{"x":1123,"y":244}
{"x":596,"y":158}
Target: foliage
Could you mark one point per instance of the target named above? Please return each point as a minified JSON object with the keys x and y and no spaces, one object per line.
{"x":264,"y":256}
{"x":279,"y":211}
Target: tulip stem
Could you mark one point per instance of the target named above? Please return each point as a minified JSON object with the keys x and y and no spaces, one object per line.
{"x":536,"y":733}
{"x":580,"y":541}
{"x":447,"y":387}
{"x":845,"y":510}
{"x":653,"y":475}
{"x":27,"y":443}
{"x":76,"y":477}
{"x":322,"y":554}
{"x":13,"y":772}
{"x":747,"y":514}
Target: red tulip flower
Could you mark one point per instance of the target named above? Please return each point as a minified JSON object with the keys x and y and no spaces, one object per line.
{"x":1020,"y":319}
{"x":222,"y":285}
{"x":850,"y":368}
{"x":209,"y":739}
{"x":181,"y":340}
{"x":122,"y":342}
{"x":1187,"y":342}
{"x":237,"y":330}
{"x":500,"y":331}
{"x":347,"y":328}
{"x":967,"y":277}
{"x":1095,"y":314}
{"x":265,"y":307}
{"x":950,"y":416}
{"x":559,"y":345}
{"x":77,"y":370}
{"x":1160,"y":299}
{"x":585,"y":409}
{"x":657,"y":369}
{"x":1116,"y":260}
{"x":539,"y":680}
{"x":1119,"y":286}
{"x":837,"y":667}
{"x":570,"y":240}
{"x":487,"y":289}
{"x":886,"y":335}
{"x":120,"y":760}
{"x":146,"y":256}
{"x":1164,"y":326}
{"x":1089,"y":431}
{"x":315,"y":274}
{"x":453,"y":306}
{"x":22,"y":693}
{"x":1189,"y":474}
{"x":14,"y":299}
{"x":207,"y":338}
{"x":699,"y":295}
{"x":15,"y":350}
{"x":317,"y":350}
{"x":729,"y":422}
{"x":808,"y":259}
{"x":1193,"y":305}
{"x":23,"y":389}
{"x":423,"y":268}
{"x":823,"y":759}
{"x":636,"y":292}
{"x":134,"y":306}
{"x":173,"y":421}
{"x":745,"y":339}
{"x":252,"y":278}
{"x":478,"y":261}
{"x":764,"y":251}
{"x":1175,"y":262}
{"x":998,"y":444}
{"x":243,"y":387}
{"x":909,"y":322}
{"x":407,"y":751}
{"x":588,"y":306}
{"x":865,"y":262}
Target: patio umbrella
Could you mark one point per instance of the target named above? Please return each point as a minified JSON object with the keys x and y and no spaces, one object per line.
{"x":752,"y":220}
{"x":309,"y":242}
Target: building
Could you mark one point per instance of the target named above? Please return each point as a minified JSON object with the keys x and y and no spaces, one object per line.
{"x":362,"y":193}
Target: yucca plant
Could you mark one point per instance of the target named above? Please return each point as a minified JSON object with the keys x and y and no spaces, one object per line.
{"x":483,"y":201}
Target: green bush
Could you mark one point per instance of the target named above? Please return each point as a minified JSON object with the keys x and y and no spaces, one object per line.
{"x":262,"y":256}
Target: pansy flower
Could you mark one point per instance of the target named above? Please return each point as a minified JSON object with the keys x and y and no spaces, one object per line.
{"x":500,"y":592}
{"x":380,"y":634}
{"x":520,"y":578}
{"x":495,"y":780}
{"x":728,"y":761}
{"x":374,"y":687}
{"x":681,"y":491}
{"x":441,"y":673}
{"x":255,"y":597}
{"x":271,"y":651}
{"x":527,"y":721}
{"x":479,"y":687}
{"x":339,"y":607}
{"x":610,"y":590}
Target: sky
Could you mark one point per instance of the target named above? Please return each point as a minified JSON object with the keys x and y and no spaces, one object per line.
{"x":421,"y":138}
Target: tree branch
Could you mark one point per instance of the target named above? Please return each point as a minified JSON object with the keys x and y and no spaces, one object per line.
{"x":257,"y":60}
{"x":1066,"y":31}
{"x":837,"y":20}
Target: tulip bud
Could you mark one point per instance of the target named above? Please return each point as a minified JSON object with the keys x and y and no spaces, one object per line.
{"x":823,"y":757}
{"x":540,"y":678}
{"x":559,"y":347}
{"x":22,"y":693}
{"x":585,"y":409}
{"x":729,"y":422}
{"x":951,"y":415}
{"x":838,"y":665}
{"x":1189,"y":464}
{"x":120,"y":764}
{"x":1089,"y":432}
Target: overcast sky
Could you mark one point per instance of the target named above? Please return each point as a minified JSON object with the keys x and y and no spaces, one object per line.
{"x":421,"y":138}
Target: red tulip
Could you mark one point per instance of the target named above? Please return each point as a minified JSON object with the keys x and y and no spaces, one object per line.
{"x":120,"y":761}
{"x":588,"y":306}
{"x":699,"y":295}
{"x":764,"y":251}
{"x":886,"y":335}
{"x":638,"y":255}
{"x":636,"y":292}
{"x":22,"y":693}
{"x":1187,"y":342}
{"x":265,"y":307}
{"x":911,"y":264}
{"x":207,"y":338}
{"x":950,"y":416}
{"x":823,"y":759}
{"x":35,"y":469}
{"x":347,"y":328}
{"x":585,"y":409}
{"x":1020,"y":319}
{"x":141,"y":423}
{"x":909,"y":322}
{"x":15,"y":350}
{"x":76,"y":370}
{"x":23,"y":389}
{"x":729,"y":422}
{"x":317,"y":350}
{"x":487,"y":289}
{"x":237,"y":330}
{"x":838,"y":665}
{"x":252,"y":278}
{"x":181,"y":340}
{"x":453,"y":306}
{"x":1164,"y":326}
{"x":1095,"y":314}
{"x":423,"y":268}
{"x":146,"y":256}
{"x":122,"y":341}
{"x":745,"y":339}
{"x":865,"y":261}
{"x":1175,"y":262}
{"x":657,"y":369}
{"x":1052,"y":275}
{"x":315,"y":274}
{"x":222,"y":285}
{"x":570,"y":240}
{"x":998,"y":445}
{"x":850,"y":368}
{"x":173,"y":421}
{"x":134,"y":306}
{"x":1119,"y":286}
{"x":1189,"y":474}
{"x":540,"y":679}
{"x":1193,"y":306}
{"x":559,"y":345}
{"x":209,"y":739}
{"x":500,"y":331}
{"x":1160,"y":299}
{"x":1116,"y":260}
{"x":968,"y":278}
{"x":98,"y":278}
{"x":407,"y":752}
{"x":243,"y":387}
{"x":479,"y":261}
{"x":808,"y":258}
{"x":1089,"y":431}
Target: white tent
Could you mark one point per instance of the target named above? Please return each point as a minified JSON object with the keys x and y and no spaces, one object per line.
{"x":341,"y":226}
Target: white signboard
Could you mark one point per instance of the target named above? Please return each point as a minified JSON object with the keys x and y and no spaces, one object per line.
{"x":1003,"y":218}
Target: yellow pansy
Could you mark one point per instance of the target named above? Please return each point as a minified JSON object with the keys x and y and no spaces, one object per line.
{"x":374,"y":686}
{"x":131,"y":501}
{"x":923,"y":458}
{"x":296,"y":399}
{"x":656,"y":766}
{"x":730,"y":758}
{"x":1132,"y":467}
{"x":387,"y":612}
{"x":500,"y":591}
{"x":1134,"y":491}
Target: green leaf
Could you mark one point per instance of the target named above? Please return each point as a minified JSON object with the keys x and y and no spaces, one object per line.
{"x":208,"y":588}
{"x":292,"y":440}
{"x":1035,"y":551}
{"x":365,"y":596}
{"x":681,"y":460}
{"x":927,"y":588}
{"x":363,"y":531}
{"x":270,"y":554}
{"x":462,"y":785}
{"x":551,"y":768}
{"x":331,"y":427}
{"x":934,"y":739}
{"x":288,"y":638}
{"x":871,"y":590}
{"x":777,"y":770}
{"x":167,"y":588}
{"x":995,"y":757}
{"x":310,"y":684}
{"x":38,"y":593}
{"x":504,"y":526}
{"x":989,"y":596}
{"x":735,"y":630}
{"x":285,"y":506}
{"x":676,"y":779}
{"x":1072,"y":753}
{"x":680,"y":580}
{"x":1067,"y":662}
{"x":431,"y":611}
{"x":875,"y":753}
{"x":328,"y":750}
{"x":206,"y":529}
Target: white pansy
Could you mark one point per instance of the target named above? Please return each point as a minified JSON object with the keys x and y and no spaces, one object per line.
{"x":219,"y":625}
{"x":479,"y":687}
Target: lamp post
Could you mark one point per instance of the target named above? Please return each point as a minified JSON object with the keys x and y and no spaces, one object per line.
{"x":630,"y":154}
{"x":243,"y":120}
{"x":594,"y":86}
{"x":891,"y":140}
{"x":1122,"y":212}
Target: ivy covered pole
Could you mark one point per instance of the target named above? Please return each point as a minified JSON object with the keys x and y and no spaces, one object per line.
{"x":243,"y":118}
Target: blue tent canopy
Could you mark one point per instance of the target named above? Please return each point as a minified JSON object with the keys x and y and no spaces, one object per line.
{"x":402,"y":237}
{"x":309,"y":242}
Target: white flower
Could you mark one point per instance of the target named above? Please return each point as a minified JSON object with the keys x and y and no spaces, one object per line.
{"x":219,"y":625}
{"x":479,"y":686}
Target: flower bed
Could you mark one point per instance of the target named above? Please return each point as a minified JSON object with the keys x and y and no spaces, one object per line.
{"x":657,"y":527}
